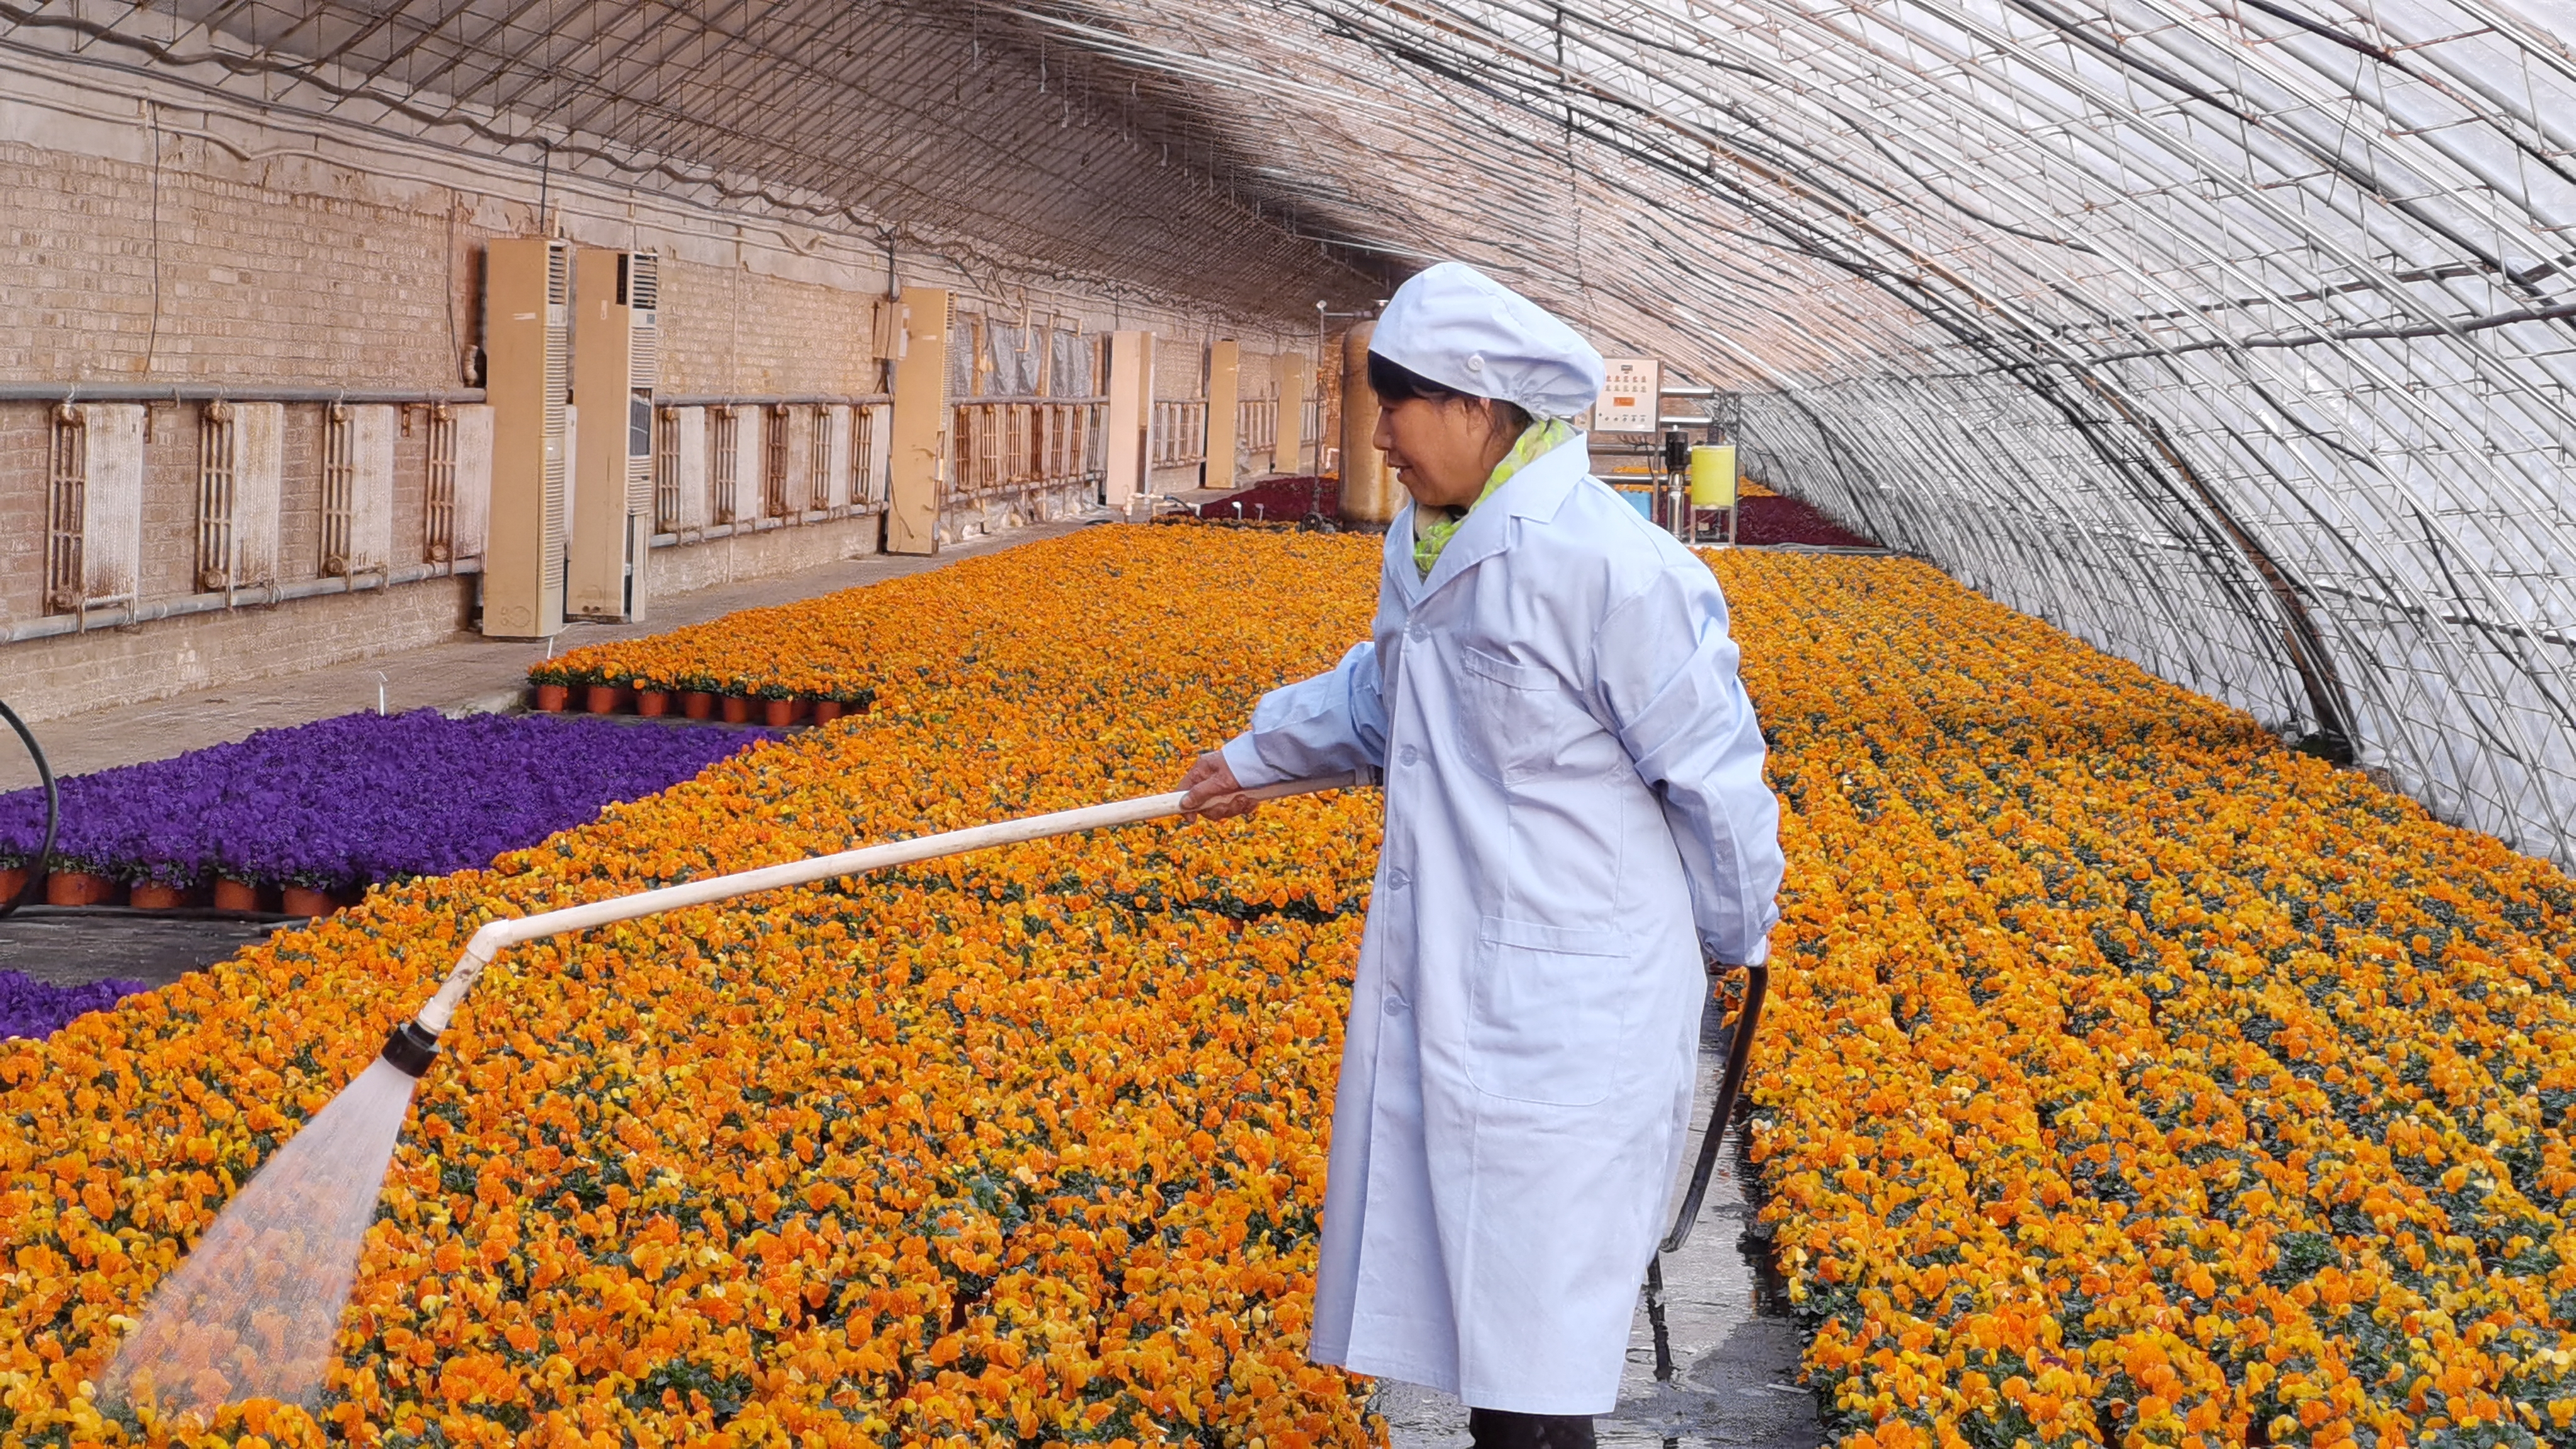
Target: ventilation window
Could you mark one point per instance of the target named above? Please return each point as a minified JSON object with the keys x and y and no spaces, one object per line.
{"x":1257,"y":424}
{"x":863,"y":456}
{"x":66,"y":512}
{"x":339,"y":491}
{"x":773,"y":460}
{"x":666,"y":469}
{"x":357,"y":489}
{"x":439,"y":516}
{"x":217,"y":447}
{"x":1180,"y":433}
{"x":93,"y":506}
{"x":818,"y":462}
{"x":724,"y":461}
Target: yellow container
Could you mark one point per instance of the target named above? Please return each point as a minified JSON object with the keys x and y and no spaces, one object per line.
{"x":1712,"y":475}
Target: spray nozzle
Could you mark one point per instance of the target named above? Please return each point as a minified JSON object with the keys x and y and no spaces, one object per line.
{"x":411,"y":1047}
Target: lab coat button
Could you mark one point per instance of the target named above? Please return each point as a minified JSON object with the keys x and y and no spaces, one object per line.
{"x":1395,"y":1006}
{"x":1398,"y":879}
{"x":1409,"y":755}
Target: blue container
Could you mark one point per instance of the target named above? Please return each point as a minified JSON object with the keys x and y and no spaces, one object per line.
{"x":1640,"y":499}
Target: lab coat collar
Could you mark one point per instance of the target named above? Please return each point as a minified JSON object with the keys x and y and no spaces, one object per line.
{"x":1537,"y":491}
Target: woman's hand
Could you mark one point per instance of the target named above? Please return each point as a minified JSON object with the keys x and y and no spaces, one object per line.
{"x":1211,"y":789}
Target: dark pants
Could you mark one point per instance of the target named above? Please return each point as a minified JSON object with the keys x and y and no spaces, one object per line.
{"x":1503,"y":1429}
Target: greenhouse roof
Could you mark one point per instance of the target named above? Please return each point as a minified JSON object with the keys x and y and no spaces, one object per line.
{"x":2235,"y":335}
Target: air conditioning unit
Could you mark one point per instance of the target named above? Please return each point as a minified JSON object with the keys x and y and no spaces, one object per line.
{"x":616,"y":356}
{"x":527,"y":337}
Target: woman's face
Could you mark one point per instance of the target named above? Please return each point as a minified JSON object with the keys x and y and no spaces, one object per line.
{"x":1442,"y":450}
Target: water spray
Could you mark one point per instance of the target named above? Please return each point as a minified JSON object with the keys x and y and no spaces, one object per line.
{"x":254,"y":1311}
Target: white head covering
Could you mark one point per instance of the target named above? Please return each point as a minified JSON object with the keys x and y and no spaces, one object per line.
{"x":1464,"y":330}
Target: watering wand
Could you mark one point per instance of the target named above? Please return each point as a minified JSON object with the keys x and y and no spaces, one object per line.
{"x":413,"y":1045}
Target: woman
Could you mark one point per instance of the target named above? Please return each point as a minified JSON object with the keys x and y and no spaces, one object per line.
{"x":1575,"y":813}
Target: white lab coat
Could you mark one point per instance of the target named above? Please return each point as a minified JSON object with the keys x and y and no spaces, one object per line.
{"x":1574,"y":809}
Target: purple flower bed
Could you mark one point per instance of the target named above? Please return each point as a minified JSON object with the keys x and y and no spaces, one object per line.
{"x":33,"y":1008}
{"x":344,"y":802}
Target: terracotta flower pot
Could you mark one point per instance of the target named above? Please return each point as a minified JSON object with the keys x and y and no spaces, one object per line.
{"x":552,"y":697}
{"x":697,"y":704}
{"x":603,"y":698}
{"x":778,"y":713}
{"x":306,"y":901}
{"x":148,"y":896}
{"x":79,"y":888}
{"x":826,"y":711}
{"x":652,"y":703}
{"x":737,"y":710}
{"x":13,"y":883}
{"x":238,"y":895}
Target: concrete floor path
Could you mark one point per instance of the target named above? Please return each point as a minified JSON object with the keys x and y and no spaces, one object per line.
{"x":465,"y":673}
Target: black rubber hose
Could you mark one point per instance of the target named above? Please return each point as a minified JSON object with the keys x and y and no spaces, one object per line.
{"x":1739,"y":1056}
{"x":53,"y":813}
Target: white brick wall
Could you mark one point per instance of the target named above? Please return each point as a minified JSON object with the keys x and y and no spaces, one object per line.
{"x":308,"y":270}
{"x":255,"y":280}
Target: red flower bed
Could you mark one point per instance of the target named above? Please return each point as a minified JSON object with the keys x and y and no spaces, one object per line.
{"x":1786,"y":520}
{"x":1281,"y":500}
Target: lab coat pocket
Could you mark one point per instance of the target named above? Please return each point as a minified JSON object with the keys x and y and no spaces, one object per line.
{"x":1547,"y":1017}
{"x":1504,"y":724}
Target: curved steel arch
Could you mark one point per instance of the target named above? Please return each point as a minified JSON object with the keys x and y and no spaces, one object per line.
{"x":2239,"y":336}
{"x":2298,"y":285}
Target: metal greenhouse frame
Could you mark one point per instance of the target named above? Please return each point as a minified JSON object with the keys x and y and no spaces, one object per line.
{"x":2236,"y":336}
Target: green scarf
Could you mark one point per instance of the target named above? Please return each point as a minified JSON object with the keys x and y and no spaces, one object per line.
{"x":1538,"y":439}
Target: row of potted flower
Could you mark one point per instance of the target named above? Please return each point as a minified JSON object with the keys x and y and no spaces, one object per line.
{"x":555,"y":690}
{"x":303,"y":819}
{"x":53,"y":887}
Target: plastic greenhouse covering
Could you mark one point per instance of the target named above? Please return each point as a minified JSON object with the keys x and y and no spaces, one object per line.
{"x":2236,"y":337}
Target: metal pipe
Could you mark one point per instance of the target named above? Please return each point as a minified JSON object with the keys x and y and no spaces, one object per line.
{"x":177,"y":392}
{"x":415,"y":1043}
{"x":714,"y":531}
{"x":783,"y":400}
{"x":58,"y":624}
